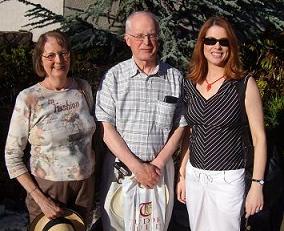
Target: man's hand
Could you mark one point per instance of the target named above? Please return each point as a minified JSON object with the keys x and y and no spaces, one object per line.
{"x":147,"y":175}
{"x":158,"y":163}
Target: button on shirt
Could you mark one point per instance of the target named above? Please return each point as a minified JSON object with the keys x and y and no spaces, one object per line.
{"x":134,"y":104}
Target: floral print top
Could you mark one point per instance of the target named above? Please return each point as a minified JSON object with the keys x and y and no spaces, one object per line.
{"x":59,"y":127}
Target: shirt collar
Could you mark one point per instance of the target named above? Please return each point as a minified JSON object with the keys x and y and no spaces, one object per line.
{"x":134,"y":70}
{"x":160,"y":71}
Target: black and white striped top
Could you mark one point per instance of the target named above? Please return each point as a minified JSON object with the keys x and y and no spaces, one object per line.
{"x":215,"y":143}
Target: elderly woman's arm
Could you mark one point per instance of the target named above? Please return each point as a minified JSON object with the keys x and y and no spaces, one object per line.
{"x":14,"y":151}
{"x":254,"y":200}
{"x":46,"y":204}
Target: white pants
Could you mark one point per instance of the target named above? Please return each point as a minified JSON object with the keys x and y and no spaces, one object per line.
{"x":214,"y":199}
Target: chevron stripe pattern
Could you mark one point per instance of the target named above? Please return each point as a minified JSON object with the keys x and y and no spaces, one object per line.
{"x":215,"y":142}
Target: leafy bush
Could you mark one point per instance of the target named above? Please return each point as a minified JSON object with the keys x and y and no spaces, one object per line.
{"x":274,"y":112}
{"x":16,"y":72}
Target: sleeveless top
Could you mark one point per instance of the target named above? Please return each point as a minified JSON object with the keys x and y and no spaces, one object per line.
{"x":215,"y":141}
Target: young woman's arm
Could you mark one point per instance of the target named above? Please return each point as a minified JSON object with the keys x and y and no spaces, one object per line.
{"x":180,"y":188}
{"x":254,"y":200}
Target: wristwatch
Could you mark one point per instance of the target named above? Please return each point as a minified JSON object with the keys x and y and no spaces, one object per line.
{"x":260,"y":181}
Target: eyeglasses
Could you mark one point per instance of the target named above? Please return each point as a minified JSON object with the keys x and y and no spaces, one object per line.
{"x":212,"y":41}
{"x":51,"y":56}
{"x":141,"y":37}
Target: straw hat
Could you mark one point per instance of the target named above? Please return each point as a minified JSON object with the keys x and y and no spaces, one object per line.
{"x":70,"y":221}
{"x":117,"y":201}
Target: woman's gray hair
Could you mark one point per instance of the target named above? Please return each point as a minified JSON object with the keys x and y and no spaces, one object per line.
{"x":131,"y":16}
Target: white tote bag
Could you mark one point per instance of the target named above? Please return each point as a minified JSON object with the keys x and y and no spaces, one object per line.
{"x":145,"y":208}
{"x":130,"y":207}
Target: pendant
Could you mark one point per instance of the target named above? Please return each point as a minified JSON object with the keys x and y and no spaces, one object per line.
{"x":208,"y":87}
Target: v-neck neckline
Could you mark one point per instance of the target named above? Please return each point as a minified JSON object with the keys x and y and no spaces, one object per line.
{"x":211,"y":97}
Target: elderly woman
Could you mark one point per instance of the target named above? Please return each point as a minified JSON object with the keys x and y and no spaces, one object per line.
{"x":211,"y":180}
{"x":54,"y":117}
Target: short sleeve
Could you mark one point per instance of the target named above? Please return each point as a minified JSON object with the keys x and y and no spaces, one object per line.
{"x":106,"y":99}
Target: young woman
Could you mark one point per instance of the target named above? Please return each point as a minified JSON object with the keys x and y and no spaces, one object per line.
{"x":211,"y":175}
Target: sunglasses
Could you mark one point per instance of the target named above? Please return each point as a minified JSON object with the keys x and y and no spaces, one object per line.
{"x":212,"y":41}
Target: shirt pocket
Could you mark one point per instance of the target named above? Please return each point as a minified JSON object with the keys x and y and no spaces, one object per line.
{"x":165,"y":114}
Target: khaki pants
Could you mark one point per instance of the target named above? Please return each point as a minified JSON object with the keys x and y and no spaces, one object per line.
{"x":76,"y":195}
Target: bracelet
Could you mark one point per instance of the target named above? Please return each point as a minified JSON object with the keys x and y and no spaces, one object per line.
{"x":30,"y":192}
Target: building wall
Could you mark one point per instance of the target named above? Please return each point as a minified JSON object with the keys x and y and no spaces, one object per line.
{"x":103,"y":22}
{"x":12,"y":15}
{"x":81,"y":5}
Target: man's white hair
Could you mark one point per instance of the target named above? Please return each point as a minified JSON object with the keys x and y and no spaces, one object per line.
{"x":151,"y":15}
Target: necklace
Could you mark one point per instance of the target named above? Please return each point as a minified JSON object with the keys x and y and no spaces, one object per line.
{"x":209,"y":85}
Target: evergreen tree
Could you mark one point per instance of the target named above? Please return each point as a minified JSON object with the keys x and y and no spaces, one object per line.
{"x":180,"y":21}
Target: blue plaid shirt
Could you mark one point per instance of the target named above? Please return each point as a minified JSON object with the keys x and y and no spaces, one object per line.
{"x":134,"y":104}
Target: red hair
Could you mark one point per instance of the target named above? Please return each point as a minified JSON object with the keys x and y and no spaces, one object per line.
{"x":198,"y":66}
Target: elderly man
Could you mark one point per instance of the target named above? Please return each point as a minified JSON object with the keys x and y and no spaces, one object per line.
{"x":139,"y":105}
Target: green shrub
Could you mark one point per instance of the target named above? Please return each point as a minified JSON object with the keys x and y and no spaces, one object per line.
{"x":16,"y":72}
{"x":274,"y":112}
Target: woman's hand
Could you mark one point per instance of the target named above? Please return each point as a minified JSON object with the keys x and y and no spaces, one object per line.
{"x":181,"y":196}
{"x":47,"y":205}
{"x":254,"y":200}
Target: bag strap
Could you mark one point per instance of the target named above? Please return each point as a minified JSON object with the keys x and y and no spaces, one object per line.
{"x":84,"y":93}
{"x":241,"y":86}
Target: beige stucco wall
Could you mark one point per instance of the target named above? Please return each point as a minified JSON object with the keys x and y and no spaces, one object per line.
{"x":12,"y":15}
{"x":83,"y":4}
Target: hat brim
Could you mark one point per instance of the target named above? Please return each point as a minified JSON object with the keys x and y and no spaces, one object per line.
{"x":116,"y":203}
{"x":41,"y":220}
